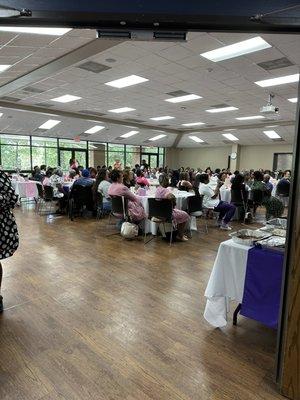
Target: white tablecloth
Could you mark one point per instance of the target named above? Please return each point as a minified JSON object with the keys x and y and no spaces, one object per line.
{"x":181,"y":204}
{"x":27,"y":189}
{"x":226,"y":281}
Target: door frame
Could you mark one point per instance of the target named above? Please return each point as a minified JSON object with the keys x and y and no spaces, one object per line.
{"x":147,"y":156}
{"x":73,"y":150}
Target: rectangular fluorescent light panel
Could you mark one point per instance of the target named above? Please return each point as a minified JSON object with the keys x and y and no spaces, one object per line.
{"x":4,"y":67}
{"x":1,"y":115}
{"x":128,"y":134}
{"x":49,"y":124}
{"x":121,"y":110}
{"x":67,"y":98}
{"x":95,"y":129}
{"x":163,"y":118}
{"x":281,"y":80}
{"x":194,"y":124}
{"x":196,"y":139}
{"x":237,"y":49}
{"x":222,"y":109}
{"x":272,"y":135}
{"x":251,"y":117}
{"x":293,"y":100}
{"x":229,"y":136}
{"x":39,"y":31}
{"x":181,"y":99}
{"x":127,"y":81}
{"x":158,"y":137}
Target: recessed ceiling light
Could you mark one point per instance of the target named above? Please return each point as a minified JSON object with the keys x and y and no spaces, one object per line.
{"x":293,"y":100}
{"x":272,"y":134}
{"x":49,"y":124}
{"x":271,"y":126}
{"x":1,"y":115}
{"x":158,"y":137}
{"x":221,"y":109}
{"x":229,"y":136}
{"x":39,"y":31}
{"x":67,"y":98}
{"x":4,"y":67}
{"x":128,"y":134}
{"x":278,"y":81}
{"x":251,"y":117}
{"x":194,"y":124}
{"x":127,"y":81}
{"x":181,"y":99}
{"x":163,"y":118}
{"x":229,"y":130}
{"x":196,"y":139}
{"x":237,"y":49}
{"x":95,"y":129}
{"x":122,"y":110}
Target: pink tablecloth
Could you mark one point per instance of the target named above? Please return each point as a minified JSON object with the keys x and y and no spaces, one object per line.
{"x":26,"y":189}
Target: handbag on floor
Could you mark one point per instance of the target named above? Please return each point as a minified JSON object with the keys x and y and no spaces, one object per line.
{"x":129,"y":230}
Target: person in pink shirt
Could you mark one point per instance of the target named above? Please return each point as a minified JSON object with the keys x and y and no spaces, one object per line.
{"x":180,"y":217}
{"x":140,"y":178}
{"x":117,"y":188}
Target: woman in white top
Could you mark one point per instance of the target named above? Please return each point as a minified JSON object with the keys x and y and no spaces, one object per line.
{"x":102,"y":185}
{"x":211,"y":200}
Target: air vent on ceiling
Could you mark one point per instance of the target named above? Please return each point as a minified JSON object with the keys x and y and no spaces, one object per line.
{"x":278,"y":140}
{"x":33,"y":89}
{"x":8,"y":98}
{"x":45,"y":105}
{"x":178,"y":93}
{"x":90,"y":112}
{"x":275,"y":64}
{"x":92,"y":66}
{"x":220,"y":105}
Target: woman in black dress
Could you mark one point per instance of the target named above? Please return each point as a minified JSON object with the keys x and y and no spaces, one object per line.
{"x":9,"y":238}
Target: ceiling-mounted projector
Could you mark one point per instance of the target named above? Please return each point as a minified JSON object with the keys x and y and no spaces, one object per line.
{"x":269,"y":108}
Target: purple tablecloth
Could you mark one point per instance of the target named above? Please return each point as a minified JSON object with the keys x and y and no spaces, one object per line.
{"x":261,"y":300}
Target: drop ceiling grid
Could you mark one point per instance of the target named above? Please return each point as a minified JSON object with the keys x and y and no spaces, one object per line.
{"x":224,"y":83}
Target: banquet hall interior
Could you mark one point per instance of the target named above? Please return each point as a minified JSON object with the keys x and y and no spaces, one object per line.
{"x":90,"y":313}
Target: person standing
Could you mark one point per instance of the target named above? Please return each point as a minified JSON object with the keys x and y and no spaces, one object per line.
{"x":9,"y":237}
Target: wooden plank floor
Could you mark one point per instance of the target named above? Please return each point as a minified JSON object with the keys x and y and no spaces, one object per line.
{"x":90,"y":317}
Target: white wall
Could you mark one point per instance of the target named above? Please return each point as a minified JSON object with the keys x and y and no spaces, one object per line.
{"x":217,"y":157}
{"x":261,"y":156}
{"x":214,"y":157}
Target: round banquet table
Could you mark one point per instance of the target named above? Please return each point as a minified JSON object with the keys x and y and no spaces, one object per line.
{"x":26,"y":189}
{"x":181,"y":204}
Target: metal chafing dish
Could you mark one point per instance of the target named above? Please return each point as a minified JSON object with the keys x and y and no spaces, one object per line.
{"x":248,"y":236}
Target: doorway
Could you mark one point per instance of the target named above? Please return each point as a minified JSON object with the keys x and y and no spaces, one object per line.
{"x":151,"y":159}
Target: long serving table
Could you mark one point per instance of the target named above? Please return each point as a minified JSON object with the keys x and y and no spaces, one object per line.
{"x":181,"y":204}
{"x":248,"y":275}
{"x":26,"y":189}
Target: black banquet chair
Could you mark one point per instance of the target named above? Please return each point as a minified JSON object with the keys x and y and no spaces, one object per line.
{"x":80,"y":199}
{"x":160,"y":212}
{"x":195,"y":208}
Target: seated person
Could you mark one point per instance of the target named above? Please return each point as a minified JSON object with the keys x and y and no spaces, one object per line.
{"x":184,"y":183}
{"x":85,"y":179}
{"x":211,"y":200}
{"x":93,"y":173}
{"x":128,"y":178}
{"x":37,"y":175}
{"x":117,"y":188}
{"x":140,"y":179}
{"x":102,"y":185}
{"x":283,"y":186}
{"x":180,"y":217}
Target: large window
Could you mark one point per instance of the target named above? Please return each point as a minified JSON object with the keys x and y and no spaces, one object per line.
{"x":44,"y":151}
{"x":15,"y":152}
{"x":115,"y":152}
{"x":24,"y":152}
